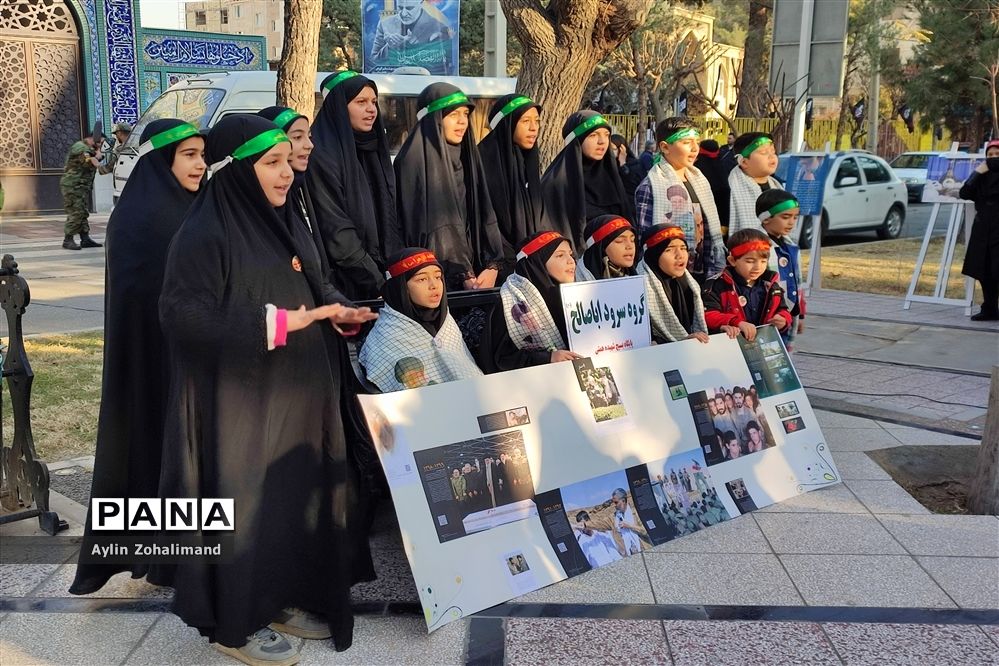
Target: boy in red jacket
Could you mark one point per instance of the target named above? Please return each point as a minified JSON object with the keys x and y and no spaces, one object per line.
{"x":746,"y":294}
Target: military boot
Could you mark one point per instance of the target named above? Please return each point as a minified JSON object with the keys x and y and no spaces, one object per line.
{"x":69,"y":244}
{"x":87,"y":241}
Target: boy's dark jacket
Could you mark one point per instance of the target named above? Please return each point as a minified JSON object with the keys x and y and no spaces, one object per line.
{"x":721,"y":301}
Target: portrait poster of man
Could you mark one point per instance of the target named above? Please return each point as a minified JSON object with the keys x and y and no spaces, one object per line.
{"x":411,"y":33}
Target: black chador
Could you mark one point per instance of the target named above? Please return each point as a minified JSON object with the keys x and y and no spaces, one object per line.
{"x":514,"y":174}
{"x":352,"y":187}
{"x":251,"y":419}
{"x":576,"y":188}
{"x":443,"y":200}
{"x":136,"y":366}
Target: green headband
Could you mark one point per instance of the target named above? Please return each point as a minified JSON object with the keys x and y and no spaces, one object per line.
{"x":286,"y":117}
{"x":510,"y":107}
{"x":787,"y":204}
{"x":166,"y":137}
{"x":683,"y":133}
{"x":338,"y":79}
{"x":454,"y":99}
{"x":258,"y":144}
{"x":757,"y":143}
{"x":584,"y":127}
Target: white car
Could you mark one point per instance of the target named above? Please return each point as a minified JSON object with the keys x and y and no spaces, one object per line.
{"x":861,"y":193}
{"x":911,"y":168}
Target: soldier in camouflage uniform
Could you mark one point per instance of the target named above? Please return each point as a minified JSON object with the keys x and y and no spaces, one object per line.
{"x":76,"y":184}
{"x":120,"y":132}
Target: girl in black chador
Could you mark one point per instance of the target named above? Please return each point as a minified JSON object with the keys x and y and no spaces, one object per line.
{"x":163,"y":184}
{"x":510,"y":149}
{"x":443,"y":200}
{"x":352,"y":185}
{"x":254,"y":412}
{"x":584,"y":180}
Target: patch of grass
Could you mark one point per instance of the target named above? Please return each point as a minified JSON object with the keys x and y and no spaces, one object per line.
{"x":65,"y":394}
{"x":885,"y":267}
{"x":608,"y":413}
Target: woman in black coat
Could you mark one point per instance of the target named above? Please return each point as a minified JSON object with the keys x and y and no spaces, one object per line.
{"x":982,"y":258}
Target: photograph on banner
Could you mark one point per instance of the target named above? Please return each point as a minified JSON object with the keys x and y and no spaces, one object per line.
{"x":945,"y":175}
{"x":793,"y":425}
{"x":606,"y":315}
{"x":601,"y":390}
{"x":739,"y":493}
{"x":478,"y":484}
{"x":508,"y":418}
{"x":604,"y":518}
{"x":410,"y":33}
{"x":684,"y":493}
{"x":804,"y":176}
{"x":521,"y":578}
{"x":769,"y":363}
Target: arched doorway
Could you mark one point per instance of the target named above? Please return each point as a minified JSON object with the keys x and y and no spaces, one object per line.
{"x":39,"y":100}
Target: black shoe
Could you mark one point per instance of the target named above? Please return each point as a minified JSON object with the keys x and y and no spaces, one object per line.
{"x":985,"y":315}
{"x":87,"y":241}
{"x":69,"y":244}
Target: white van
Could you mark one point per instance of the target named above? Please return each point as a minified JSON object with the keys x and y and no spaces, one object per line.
{"x":205,"y":98}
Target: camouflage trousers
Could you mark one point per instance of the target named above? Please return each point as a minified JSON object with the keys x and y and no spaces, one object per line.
{"x":77,"y":206}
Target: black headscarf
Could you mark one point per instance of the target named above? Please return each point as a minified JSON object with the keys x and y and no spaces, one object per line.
{"x":459,"y":228}
{"x":533,"y":268}
{"x":576,"y":188}
{"x":678,"y":293}
{"x":593,"y":257}
{"x":396,"y":293}
{"x":515,"y":174}
{"x":136,"y":367}
{"x":352,"y":186}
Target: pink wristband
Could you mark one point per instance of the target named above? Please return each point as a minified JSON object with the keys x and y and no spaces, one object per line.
{"x":281,"y":328}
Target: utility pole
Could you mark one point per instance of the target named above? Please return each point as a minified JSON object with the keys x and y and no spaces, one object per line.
{"x":495,"y":40}
{"x":873,"y":104}
{"x":801,"y":85}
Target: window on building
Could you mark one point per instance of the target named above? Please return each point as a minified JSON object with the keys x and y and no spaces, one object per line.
{"x":224,"y":16}
{"x":274,"y":52}
{"x":273,"y":26}
{"x":258,"y":20}
{"x":200,"y":18}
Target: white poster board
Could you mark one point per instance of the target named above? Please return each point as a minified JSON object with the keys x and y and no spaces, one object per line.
{"x":510,"y":482}
{"x":606,"y":315}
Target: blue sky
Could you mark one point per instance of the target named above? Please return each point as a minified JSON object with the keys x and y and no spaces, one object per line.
{"x":161,"y":13}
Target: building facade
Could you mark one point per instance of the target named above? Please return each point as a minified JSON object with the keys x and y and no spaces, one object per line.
{"x":69,"y":64}
{"x":264,"y":18}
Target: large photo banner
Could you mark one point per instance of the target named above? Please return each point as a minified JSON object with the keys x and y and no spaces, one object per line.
{"x":945,"y":175}
{"x":410,"y":33}
{"x":510,"y":482}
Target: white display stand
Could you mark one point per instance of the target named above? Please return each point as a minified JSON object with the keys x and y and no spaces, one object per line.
{"x":957,"y":220}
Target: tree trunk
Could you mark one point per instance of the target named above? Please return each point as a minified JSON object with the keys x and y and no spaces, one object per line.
{"x":296,"y":81}
{"x":755,"y":65}
{"x":643,"y":88}
{"x":983,"y":498}
{"x":563,"y":42}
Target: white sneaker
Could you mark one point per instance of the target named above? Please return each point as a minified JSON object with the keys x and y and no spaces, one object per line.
{"x":264,"y":647}
{"x":303,"y":624}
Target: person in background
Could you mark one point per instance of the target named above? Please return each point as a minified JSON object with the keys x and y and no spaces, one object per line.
{"x":711,"y":166}
{"x":77,"y":186}
{"x":778,"y":212}
{"x":629,"y":166}
{"x":981,"y":261}
{"x":757,"y":161}
{"x":121,"y":131}
{"x":647,"y":158}
{"x":676,"y":193}
{"x":584,"y":180}
{"x":442,"y":193}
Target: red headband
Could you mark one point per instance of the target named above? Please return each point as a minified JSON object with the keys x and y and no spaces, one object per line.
{"x":750,"y":246}
{"x":709,"y":153}
{"x":538,"y":243}
{"x":606,"y":230}
{"x":667,"y":234}
{"x":409,"y":263}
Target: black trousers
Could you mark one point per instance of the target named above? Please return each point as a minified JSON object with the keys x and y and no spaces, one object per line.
{"x":990,"y":296}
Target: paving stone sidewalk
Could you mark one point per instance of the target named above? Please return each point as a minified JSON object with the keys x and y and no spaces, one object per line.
{"x":858,"y":573}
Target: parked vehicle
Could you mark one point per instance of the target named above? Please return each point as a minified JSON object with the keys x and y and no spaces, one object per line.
{"x":861,"y":193}
{"x":911,"y":168}
{"x":203,"y":99}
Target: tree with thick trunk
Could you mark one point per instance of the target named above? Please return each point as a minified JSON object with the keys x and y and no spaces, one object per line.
{"x":756,"y":63}
{"x":563,"y":42}
{"x":984,"y":495}
{"x":296,"y":81}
